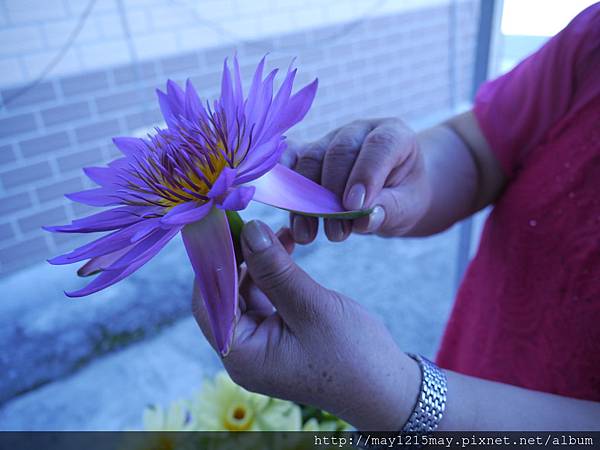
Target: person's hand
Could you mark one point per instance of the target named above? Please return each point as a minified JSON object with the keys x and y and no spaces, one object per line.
{"x":367,"y":163}
{"x":298,"y":341}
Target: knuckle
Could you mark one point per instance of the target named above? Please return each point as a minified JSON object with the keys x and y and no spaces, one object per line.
{"x":345,"y":142}
{"x":311,"y":157}
{"x":384,"y":139}
{"x":278,"y":274}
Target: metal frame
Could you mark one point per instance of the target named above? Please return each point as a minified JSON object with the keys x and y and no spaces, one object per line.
{"x":490,"y":12}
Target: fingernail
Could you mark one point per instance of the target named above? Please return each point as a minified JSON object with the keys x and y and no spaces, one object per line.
{"x":256,"y":236}
{"x":335,"y":230}
{"x":376,"y":218}
{"x":300,"y":229}
{"x":355,"y":197}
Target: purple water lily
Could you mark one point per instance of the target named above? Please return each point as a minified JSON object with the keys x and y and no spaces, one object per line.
{"x":208,"y":161}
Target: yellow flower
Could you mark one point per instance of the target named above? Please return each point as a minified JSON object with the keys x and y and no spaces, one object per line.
{"x":222,"y":405}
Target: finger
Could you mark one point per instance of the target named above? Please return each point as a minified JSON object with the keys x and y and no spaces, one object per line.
{"x":255,"y":300}
{"x":339,"y":159}
{"x":309,"y":164}
{"x":289,"y":288}
{"x":290,"y":155}
{"x":393,"y":214}
{"x":384,"y":149}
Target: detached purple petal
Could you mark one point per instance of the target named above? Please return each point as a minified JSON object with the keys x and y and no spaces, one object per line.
{"x":286,"y":189}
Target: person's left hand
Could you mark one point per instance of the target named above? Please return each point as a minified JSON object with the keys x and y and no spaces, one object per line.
{"x":299,"y":341}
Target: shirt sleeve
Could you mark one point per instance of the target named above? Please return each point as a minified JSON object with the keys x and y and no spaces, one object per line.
{"x":516,"y":110}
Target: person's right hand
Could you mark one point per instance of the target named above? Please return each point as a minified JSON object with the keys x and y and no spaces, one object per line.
{"x":367,"y":163}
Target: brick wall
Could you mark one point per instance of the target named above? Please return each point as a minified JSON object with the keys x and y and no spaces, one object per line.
{"x":401,"y":63}
{"x":32,"y":31}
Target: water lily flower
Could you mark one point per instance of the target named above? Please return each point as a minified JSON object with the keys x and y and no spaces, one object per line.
{"x":210,"y":161}
{"x":222,"y":405}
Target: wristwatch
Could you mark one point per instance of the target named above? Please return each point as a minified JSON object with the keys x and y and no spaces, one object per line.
{"x":431,"y":402}
{"x":427,"y":412}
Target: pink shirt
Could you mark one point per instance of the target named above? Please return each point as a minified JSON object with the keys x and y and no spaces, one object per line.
{"x":528,"y":310}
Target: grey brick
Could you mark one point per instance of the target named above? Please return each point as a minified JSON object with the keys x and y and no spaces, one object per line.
{"x":134,"y":73}
{"x":188,"y":63}
{"x":14,"y":203}
{"x":24,"y":175}
{"x":66,"y":113}
{"x":20,"y":96}
{"x":81,"y":210}
{"x":143,"y":119}
{"x":122,"y":100}
{"x":20,"y":254}
{"x":205,"y":82}
{"x":105,"y":129}
{"x":298,"y":39}
{"x":84,"y":83}
{"x":45,"y":144}
{"x":215,"y":57}
{"x":17,"y":124}
{"x":80,"y":159}
{"x":53,"y":216}
{"x":58,"y":190}
{"x":7,"y":154}
{"x":6,"y":232}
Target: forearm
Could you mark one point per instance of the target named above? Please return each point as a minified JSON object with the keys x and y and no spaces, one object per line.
{"x":452,"y":176}
{"x":473,"y":404}
{"x":477,"y":404}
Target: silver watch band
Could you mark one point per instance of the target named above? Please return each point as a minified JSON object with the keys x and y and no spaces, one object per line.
{"x":431,"y":402}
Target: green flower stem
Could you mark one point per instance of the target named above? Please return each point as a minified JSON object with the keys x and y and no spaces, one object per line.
{"x":236,"y":223}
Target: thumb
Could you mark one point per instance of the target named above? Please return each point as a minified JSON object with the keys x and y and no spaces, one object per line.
{"x":292,"y":291}
{"x":395,"y":212}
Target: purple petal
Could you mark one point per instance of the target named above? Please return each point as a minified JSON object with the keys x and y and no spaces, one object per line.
{"x":261,"y":160}
{"x":150,"y":245}
{"x":191,"y":213}
{"x":100,"y":263}
{"x":210,"y":249}
{"x":238,"y":198}
{"x":105,"y":220}
{"x":95,"y":197}
{"x":110,"y":277}
{"x":226,"y":87}
{"x":258,"y":110}
{"x":237,"y":79}
{"x":223,"y":183}
{"x":172,"y":104}
{"x":104,"y":245}
{"x":165,"y":109}
{"x":103,"y":176}
{"x":294,"y":111}
{"x":130,"y":146}
{"x":286,"y":189}
{"x":176,"y":97}
{"x":193,"y":105}
{"x":283,"y":95}
{"x":256,"y":83}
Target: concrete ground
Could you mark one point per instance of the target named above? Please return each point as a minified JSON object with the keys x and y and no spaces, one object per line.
{"x":95,"y":363}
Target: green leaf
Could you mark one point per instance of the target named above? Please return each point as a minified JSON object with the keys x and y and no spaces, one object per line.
{"x":236,"y":223}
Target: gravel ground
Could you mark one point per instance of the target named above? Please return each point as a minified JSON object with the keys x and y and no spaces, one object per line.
{"x":409,"y":282}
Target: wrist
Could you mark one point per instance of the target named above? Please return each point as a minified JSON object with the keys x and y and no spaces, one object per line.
{"x":392,"y":400}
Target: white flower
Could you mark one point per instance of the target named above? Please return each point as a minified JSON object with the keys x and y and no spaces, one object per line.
{"x":175,"y":418}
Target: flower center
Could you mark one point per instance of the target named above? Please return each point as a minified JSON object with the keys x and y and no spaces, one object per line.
{"x":239,"y":417}
{"x":181,"y":165}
